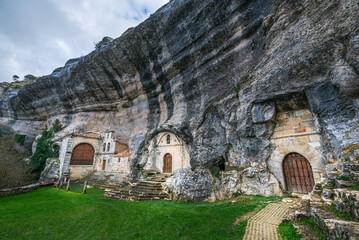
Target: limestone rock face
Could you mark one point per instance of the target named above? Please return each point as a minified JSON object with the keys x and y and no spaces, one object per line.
{"x":208,"y":71}
{"x":252,"y":180}
{"x":51,"y":173}
{"x":191,"y":185}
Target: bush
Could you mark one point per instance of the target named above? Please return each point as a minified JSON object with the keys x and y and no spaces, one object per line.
{"x":44,"y":149}
{"x":57,"y":126}
{"x":288,"y":232}
{"x":20,"y":139}
{"x":13,"y":170}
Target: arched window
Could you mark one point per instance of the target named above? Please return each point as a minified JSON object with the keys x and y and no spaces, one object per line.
{"x":104,"y":147}
{"x":108,"y":147}
{"x":168,"y":139}
{"x":83,"y":154}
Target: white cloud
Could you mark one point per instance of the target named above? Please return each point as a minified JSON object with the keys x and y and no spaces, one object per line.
{"x":38,"y":36}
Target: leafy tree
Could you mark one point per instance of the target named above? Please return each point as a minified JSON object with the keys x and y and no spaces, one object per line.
{"x":57,"y":126}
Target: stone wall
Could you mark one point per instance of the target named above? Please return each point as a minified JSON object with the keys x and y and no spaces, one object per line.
{"x":296,"y":131}
{"x":24,"y":189}
{"x":121,"y":164}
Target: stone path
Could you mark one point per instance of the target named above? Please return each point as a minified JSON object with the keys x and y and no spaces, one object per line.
{"x":263,"y":225}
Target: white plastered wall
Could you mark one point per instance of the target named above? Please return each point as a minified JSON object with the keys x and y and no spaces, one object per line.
{"x":159,"y":147}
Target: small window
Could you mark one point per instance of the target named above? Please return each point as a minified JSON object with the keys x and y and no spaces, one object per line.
{"x":104,"y":147}
{"x":108,"y":147}
{"x":168,"y":139}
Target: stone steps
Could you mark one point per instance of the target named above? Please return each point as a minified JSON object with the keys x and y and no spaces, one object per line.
{"x":149,"y":189}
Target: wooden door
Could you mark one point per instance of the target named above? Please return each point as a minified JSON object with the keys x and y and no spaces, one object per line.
{"x":167,"y":163}
{"x":104,"y":165}
{"x":298,"y":173}
{"x":83,"y":154}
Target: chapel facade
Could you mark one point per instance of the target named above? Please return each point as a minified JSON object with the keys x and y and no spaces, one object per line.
{"x":84,"y":153}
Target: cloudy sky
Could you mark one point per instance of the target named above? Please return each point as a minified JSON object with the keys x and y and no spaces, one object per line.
{"x":37,"y":36}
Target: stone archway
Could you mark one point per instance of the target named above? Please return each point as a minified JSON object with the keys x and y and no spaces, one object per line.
{"x":313,"y":155}
{"x":167,"y":163}
{"x":298,"y":174}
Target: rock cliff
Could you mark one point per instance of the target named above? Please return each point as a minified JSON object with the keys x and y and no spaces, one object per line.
{"x":213,"y":72}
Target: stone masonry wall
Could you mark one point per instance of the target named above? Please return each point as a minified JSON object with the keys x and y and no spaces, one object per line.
{"x":296,"y":131}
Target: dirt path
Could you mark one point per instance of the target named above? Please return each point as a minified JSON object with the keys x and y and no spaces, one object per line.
{"x":264,"y":224}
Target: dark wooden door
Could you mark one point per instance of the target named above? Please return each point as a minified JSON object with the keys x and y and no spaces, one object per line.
{"x":82,"y":154}
{"x":167,"y":163}
{"x":298,"y":173}
{"x":104,"y":165}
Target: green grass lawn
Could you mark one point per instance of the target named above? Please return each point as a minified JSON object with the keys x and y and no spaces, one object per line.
{"x":49,"y":213}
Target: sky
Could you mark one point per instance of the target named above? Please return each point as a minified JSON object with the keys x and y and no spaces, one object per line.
{"x":37,"y":36}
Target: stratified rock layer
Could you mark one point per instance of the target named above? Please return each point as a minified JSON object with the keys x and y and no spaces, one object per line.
{"x":210,"y":72}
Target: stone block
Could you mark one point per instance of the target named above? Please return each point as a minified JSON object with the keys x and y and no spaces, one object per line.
{"x":300,"y":130}
{"x":314,"y":144}
{"x":288,"y":132}
{"x":314,"y":138}
{"x":342,"y":183}
{"x":328,"y":193}
{"x":277,"y":134}
{"x":304,"y":124}
{"x":309,"y":129}
{"x":303,"y":139}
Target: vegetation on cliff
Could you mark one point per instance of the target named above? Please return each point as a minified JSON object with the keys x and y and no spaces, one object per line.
{"x":44,"y":149}
{"x":13,"y":169}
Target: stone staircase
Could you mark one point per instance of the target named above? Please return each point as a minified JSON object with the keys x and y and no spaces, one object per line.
{"x":149,"y":189}
{"x":65,"y":170}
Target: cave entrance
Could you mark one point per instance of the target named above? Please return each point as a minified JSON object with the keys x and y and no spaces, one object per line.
{"x":298,"y":173}
{"x":167,"y":163}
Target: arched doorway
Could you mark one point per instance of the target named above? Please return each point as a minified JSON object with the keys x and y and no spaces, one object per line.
{"x":167,"y":163}
{"x":83,"y":154}
{"x":298,"y":173}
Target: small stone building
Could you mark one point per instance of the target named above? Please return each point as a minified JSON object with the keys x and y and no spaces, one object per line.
{"x":84,"y":153}
{"x":167,"y":153}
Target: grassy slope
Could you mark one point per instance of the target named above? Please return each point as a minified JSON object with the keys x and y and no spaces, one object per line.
{"x":49,"y":213}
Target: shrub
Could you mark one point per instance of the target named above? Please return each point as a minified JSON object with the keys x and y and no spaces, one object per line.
{"x":57,"y":126}
{"x":288,"y":232}
{"x":13,"y":170}
{"x":20,"y":139}
{"x":44,"y":149}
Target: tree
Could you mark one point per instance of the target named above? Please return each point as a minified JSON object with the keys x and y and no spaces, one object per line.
{"x":29,"y":77}
{"x":15,"y":77}
{"x":57,"y":126}
{"x":44,"y":149}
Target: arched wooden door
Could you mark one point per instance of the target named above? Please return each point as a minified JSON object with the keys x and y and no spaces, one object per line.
{"x":167,"y":163}
{"x":298,"y":173}
{"x":83,"y":154}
